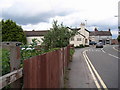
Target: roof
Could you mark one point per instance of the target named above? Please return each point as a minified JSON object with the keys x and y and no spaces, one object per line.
{"x":77,"y":29}
{"x":100,"y":33}
{"x":35,"y":33}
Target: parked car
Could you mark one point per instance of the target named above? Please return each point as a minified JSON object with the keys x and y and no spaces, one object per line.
{"x":99,"y":45}
{"x":27,"y":48}
{"x":92,"y":43}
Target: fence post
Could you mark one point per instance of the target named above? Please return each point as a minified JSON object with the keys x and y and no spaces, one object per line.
{"x":14,"y":59}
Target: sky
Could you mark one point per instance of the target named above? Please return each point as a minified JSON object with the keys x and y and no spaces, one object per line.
{"x":39,"y":14}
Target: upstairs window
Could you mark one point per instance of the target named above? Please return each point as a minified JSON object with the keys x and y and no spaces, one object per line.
{"x":78,"y":39}
{"x":86,"y":41}
{"x":72,"y":39}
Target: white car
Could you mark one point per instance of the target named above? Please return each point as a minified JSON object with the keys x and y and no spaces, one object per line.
{"x":27,"y":48}
{"x":99,"y":45}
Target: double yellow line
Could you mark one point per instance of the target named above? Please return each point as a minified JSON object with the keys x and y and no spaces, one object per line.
{"x":94,"y":73}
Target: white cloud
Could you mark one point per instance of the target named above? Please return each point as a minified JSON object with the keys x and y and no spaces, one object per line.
{"x":39,"y":14}
{"x":39,"y":26}
{"x":114,"y":32}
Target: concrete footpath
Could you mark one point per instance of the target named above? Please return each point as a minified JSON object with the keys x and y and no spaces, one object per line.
{"x":79,"y":75}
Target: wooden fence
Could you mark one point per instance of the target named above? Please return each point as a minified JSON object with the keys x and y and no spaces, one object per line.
{"x":47,"y":70}
{"x":43,"y":71}
{"x":12,"y":78}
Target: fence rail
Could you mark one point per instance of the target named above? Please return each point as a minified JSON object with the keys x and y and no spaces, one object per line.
{"x":10,"y":77}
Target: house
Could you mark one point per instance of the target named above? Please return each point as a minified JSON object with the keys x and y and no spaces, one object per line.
{"x":35,"y":34}
{"x":101,"y":36}
{"x":81,"y":38}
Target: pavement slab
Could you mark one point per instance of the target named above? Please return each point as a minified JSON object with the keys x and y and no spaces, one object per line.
{"x":79,"y":75}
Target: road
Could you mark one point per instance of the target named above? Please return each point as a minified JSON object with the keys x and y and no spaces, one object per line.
{"x":105,"y":62}
{"x":101,"y":65}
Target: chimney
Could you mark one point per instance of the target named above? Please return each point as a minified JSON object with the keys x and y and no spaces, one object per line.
{"x":109,"y":29}
{"x":82,"y":25}
{"x":95,"y":29}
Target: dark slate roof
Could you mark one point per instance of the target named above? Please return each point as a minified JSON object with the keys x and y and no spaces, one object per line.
{"x":76,"y":29}
{"x":35,"y":33}
{"x":100,"y":33}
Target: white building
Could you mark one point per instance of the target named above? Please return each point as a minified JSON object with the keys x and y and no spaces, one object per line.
{"x":101,"y":36}
{"x":35,"y":34}
{"x":81,"y":38}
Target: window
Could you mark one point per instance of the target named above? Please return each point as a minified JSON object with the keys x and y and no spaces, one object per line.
{"x":86,"y":41}
{"x":107,"y":41}
{"x":78,"y":39}
{"x":72,"y":39}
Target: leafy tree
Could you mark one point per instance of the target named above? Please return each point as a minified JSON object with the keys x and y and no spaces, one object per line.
{"x":12,"y":32}
{"x":0,"y":35}
{"x":58,"y":36}
{"x":118,"y":38}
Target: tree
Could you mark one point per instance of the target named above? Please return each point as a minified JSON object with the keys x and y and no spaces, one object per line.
{"x":118,"y":38}
{"x":0,"y":35}
{"x":12,"y":32}
{"x":58,"y":36}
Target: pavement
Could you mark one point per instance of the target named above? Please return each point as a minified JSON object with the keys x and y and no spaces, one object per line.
{"x":79,"y":75}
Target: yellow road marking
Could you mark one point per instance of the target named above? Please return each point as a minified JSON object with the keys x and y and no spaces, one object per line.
{"x":95,"y":71}
{"x":94,"y":78}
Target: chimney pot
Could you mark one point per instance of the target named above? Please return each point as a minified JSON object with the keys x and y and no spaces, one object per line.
{"x":96,"y":29}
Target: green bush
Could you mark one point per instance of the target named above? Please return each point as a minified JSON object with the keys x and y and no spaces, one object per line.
{"x":72,"y":51}
{"x":80,"y":46}
{"x":12,"y":32}
{"x":86,"y":45}
{"x":27,"y":53}
{"x":57,"y":37}
{"x":5,"y":61}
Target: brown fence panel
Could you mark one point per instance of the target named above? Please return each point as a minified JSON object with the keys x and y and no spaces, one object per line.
{"x":30,"y":72}
{"x":43,"y":71}
{"x":47,"y":70}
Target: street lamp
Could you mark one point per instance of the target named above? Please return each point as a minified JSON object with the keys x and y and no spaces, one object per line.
{"x":115,"y":16}
{"x":118,"y":23}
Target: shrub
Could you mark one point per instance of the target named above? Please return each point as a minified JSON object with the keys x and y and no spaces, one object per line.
{"x":80,"y":46}
{"x":86,"y":45}
{"x":5,"y":61}
{"x":72,"y":51}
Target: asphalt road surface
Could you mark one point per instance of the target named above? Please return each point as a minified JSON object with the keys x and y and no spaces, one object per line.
{"x":105,"y":62}
{"x":95,"y":67}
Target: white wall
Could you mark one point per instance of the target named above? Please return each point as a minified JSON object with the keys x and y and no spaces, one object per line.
{"x":85,"y":33}
{"x":29,"y":39}
{"x":97,"y":38}
{"x":76,"y":42}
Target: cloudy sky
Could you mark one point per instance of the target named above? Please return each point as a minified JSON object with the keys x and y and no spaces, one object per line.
{"x":39,"y":14}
